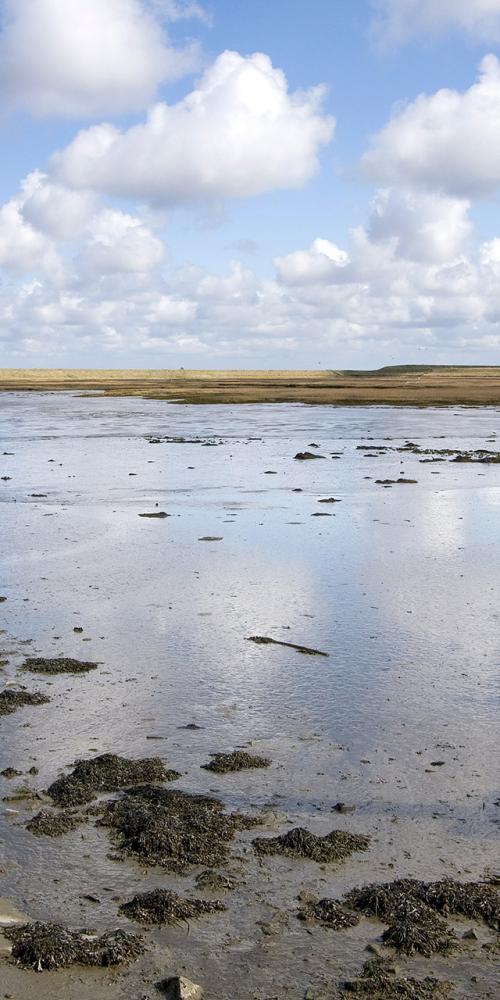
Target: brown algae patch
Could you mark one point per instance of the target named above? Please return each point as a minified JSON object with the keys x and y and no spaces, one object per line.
{"x":416,"y":929}
{"x":223,"y":763}
{"x":378,"y":982}
{"x":52,"y":824}
{"x":106,"y":773}
{"x":171,"y":828}
{"x":57,"y":665}
{"x":11,"y":700}
{"x":213,"y":881}
{"x":329,"y":913}
{"x":301,"y":843}
{"x":161,"y":906}
{"x":475,"y":900}
{"x":43,"y":946}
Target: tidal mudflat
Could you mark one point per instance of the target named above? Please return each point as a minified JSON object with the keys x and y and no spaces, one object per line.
{"x":361,"y":743}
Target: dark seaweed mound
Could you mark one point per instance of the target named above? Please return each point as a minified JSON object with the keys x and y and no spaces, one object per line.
{"x":106,"y":773}
{"x":11,"y":700}
{"x":300,"y":843}
{"x":57,"y":665}
{"x":49,"y":946}
{"x":172,"y":828}
{"x":164,"y":907}
{"x":223,"y":763}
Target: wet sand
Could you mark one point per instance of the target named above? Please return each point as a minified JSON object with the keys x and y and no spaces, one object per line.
{"x":407,"y":385}
{"x":399,"y":586}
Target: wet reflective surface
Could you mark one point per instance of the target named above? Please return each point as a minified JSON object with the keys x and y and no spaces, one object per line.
{"x":400,"y":586}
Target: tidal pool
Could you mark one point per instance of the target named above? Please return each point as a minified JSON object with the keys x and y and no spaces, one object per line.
{"x":400,"y":586}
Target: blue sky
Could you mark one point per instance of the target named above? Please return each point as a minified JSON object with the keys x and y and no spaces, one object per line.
{"x":175,"y":191}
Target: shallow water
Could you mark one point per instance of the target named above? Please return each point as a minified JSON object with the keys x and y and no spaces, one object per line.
{"x":400,"y":586}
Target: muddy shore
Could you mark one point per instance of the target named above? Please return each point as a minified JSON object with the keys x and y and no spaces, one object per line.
{"x":281,"y":819}
{"x":409,"y":385}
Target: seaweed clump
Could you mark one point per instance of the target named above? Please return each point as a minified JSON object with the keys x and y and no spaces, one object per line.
{"x":45,"y":946}
{"x":172,"y":828}
{"x":57,"y":665}
{"x":329,"y":913}
{"x":223,"y":763}
{"x":468,"y":899}
{"x":51,"y":824}
{"x":11,"y":700}
{"x":213,"y":881}
{"x":161,"y":906}
{"x":378,"y":982}
{"x":474,"y":900}
{"x":416,"y":929}
{"x":300,"y":843}
{"x":106,"y":773}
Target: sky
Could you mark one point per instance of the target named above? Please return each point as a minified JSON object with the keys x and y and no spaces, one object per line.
{"x":249,"y":183}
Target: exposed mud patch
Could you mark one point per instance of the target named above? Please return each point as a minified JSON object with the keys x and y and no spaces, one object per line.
{"x":164,"y":907}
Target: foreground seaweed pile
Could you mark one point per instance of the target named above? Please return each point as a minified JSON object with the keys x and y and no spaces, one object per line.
{"x":172,"y":828}
{"x":11,"y":700}
{"x":49,"y":946}
{"x":57,"y":665}
{"x":223,"y":763}
{"x":106,"y":773}
{"x":475,"y":900}
{"x":329,"y":913}
{"x":300,"y":843}
{"x":378,"y":982}
{"x":164,"y":907}
{"x":53,"y":824}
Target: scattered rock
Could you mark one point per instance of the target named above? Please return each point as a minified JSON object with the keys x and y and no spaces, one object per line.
{"x":179,"y":988}
{"x":304,"y":456}
{"x":156,"y":513}
{"x":10,"y":772}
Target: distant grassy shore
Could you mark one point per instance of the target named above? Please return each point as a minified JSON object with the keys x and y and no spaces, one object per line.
{"x":401,"y":385}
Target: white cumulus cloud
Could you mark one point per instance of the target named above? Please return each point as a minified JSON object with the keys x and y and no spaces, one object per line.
{"x":85,"y":57}
{"x":398,"y":20}
{"x":447,"y":141}
{"x":320,"y":263}
{"x":239,"y":133}
{"x":420,"y":225}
